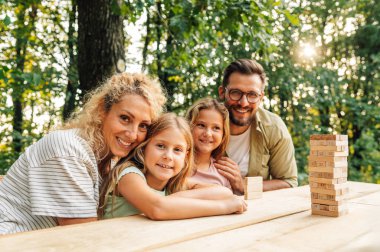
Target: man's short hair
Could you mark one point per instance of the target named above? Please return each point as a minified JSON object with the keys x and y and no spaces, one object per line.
{"x":244,"y":66}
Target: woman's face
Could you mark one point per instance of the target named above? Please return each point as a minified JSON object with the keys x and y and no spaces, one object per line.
{"x":126,"y":124}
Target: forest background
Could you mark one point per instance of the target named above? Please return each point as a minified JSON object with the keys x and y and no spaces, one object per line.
{"x":322,"y":59}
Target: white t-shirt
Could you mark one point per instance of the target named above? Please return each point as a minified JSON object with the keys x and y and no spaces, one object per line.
{"x":55,"y":177}
{"x":238,"y":150}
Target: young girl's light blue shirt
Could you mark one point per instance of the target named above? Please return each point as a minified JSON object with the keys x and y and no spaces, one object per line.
{"x":121,"y":207}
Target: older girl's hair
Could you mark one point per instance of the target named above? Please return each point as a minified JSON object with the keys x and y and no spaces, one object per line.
{"x":137,"y":157}
{"x":98,"y":103}
{"x":209,"y":103}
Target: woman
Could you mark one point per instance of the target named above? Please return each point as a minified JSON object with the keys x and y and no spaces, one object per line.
{"x":56,"y":181}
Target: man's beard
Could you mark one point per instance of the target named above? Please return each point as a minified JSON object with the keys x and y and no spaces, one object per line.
{"x":240,"y":122}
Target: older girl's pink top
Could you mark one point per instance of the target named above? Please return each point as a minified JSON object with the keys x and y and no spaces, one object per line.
{"x":211,"y":176}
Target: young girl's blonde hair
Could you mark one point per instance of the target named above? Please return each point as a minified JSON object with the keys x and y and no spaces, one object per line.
{"x":98,"y":103}
{"x":137,"y":157}
{"x":209,"y":103}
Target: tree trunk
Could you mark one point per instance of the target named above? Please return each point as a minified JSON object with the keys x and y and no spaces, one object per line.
{"x":22,"y":37}
{"x":72,"y":83}
{"x":100,"y":42}
{"x":146,"y":42}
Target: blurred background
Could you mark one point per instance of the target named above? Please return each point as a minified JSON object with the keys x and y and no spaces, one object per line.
{"x":322,"y":59}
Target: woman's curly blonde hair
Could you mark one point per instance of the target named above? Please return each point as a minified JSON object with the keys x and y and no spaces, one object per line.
{"x":98,"y":103}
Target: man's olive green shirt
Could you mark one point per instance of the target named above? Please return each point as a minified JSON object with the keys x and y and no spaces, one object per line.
{"x":271,"y":149}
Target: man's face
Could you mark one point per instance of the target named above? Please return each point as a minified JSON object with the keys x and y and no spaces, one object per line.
{"x":242,"y":112}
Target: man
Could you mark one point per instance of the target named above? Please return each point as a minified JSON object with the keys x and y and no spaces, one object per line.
{"x":260,"y":144}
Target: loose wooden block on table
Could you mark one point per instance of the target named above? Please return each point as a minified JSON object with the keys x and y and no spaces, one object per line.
{"x":253,"y":187}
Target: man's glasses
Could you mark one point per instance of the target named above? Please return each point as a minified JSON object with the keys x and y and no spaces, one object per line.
{"x":236,"y":95}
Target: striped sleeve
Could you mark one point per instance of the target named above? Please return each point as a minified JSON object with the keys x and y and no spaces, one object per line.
{"x":63,"y":187}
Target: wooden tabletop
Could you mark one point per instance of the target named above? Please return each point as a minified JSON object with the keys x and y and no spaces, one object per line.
{"x":281,"y":220}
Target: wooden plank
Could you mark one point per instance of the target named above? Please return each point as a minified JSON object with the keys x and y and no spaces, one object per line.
{"x":359,"y":230}
{"x":138,"y":233}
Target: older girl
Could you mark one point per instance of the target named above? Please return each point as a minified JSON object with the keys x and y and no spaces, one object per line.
{"x":160,"y":166}
{"x":209,"y":122}
{"x":56,"y":181}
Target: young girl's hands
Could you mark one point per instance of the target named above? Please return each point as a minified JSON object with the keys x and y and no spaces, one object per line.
{"x":237,"y":204}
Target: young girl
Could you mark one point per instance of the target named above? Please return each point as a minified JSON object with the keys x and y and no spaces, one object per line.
{"x":209,"y":122}
{"x":158,"y":167}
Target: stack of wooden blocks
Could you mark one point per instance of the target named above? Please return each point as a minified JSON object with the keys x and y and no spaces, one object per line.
{"x":328,"y":169}
{"x":253,"y":187}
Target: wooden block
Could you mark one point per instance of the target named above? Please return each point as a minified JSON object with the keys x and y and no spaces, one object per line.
{"x":313,"y":152}
{"x":335,"y":170}
{"x":329,"y":137}
{"x":322,"y":196}
{"x":329,"y":213}
{"x":328,"y":143}
{"x":253,"y":195}
{"x":327,"y":180}
{"x":253,"y":187}
{"x":337,"y":192}
{"x":330,"y":148}
{"x":327,"y":159}
{"x":331,"y":208}
{"x":328,"y":175}
{"x":316,"y":163}
{"x":327,"y":186}
{"x":329,"y":202}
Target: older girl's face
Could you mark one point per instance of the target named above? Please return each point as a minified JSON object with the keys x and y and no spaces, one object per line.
{"x":126,"y":124}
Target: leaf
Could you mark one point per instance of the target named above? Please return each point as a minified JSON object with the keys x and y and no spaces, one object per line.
{"x":7,"y":20}
{"x":36,"y":79}
{"x":292,"y":18}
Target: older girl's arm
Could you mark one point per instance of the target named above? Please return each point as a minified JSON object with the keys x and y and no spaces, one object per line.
{"x":203,"y":191}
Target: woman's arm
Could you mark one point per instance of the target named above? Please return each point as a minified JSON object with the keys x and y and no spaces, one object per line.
{"x":135,"y":190}
{"x":70,"y":221}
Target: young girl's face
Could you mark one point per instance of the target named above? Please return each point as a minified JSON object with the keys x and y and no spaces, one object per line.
{"x":207,"y":131}
{"x":165,"y":156}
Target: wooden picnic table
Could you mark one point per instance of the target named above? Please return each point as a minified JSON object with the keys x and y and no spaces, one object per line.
{"x":279,"y":221}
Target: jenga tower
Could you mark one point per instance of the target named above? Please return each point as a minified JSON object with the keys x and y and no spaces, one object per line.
{"x":328,"y":174}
